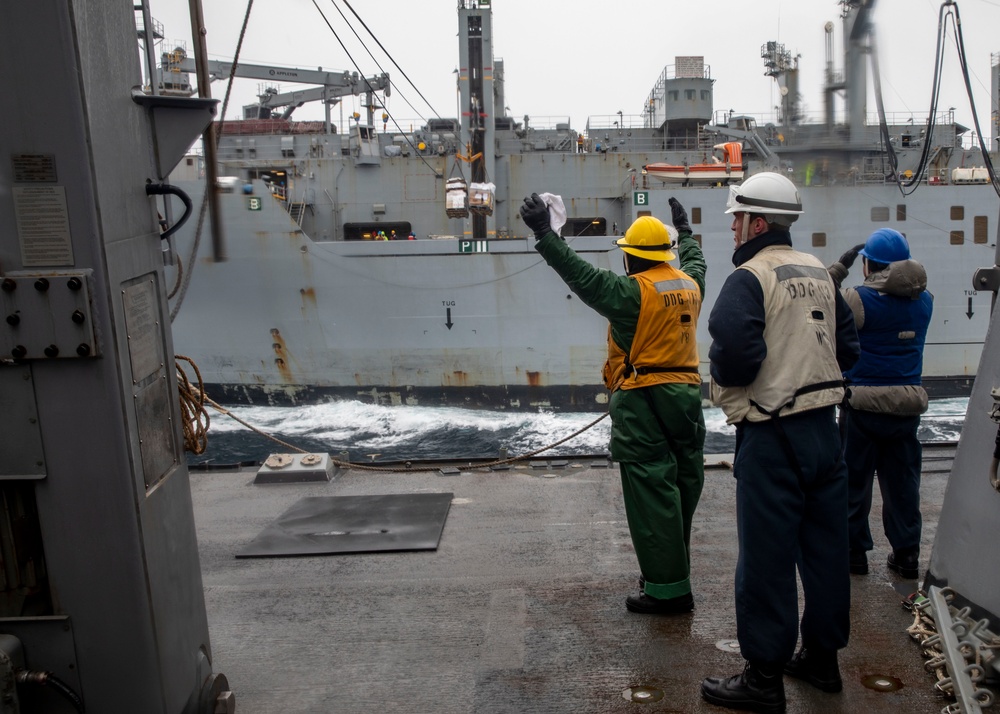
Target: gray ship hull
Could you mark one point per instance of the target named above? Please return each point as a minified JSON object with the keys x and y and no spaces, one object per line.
{"x":286,"y":319}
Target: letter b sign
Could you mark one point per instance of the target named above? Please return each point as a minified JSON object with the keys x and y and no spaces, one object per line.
{"x":640,"y":198}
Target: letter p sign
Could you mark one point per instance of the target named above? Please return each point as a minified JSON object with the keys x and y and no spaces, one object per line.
{"x":640,"y":198}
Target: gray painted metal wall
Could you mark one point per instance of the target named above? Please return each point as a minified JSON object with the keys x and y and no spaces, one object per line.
{"x":965,"y":556}
{"x":107,"y":471}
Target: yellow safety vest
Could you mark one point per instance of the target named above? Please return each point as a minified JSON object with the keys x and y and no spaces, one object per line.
{"x":665,"y":348}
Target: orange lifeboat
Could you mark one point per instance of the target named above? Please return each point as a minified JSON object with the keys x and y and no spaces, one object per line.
{"x":719,"y":171}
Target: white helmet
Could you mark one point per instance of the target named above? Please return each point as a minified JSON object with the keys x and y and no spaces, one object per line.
{"x":768,"y":194}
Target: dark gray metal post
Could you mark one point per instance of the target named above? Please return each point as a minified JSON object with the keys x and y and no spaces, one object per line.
{"x":209,"y":141}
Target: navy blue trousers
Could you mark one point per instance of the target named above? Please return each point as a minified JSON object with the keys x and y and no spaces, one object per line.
{"x":885,"y":444}
{"x":791,"y":512}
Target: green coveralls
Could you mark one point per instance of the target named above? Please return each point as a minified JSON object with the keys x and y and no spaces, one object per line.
{"x":662,"y":474}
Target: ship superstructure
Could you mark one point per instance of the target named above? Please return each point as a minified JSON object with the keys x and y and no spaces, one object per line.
{"x":310,"y":302}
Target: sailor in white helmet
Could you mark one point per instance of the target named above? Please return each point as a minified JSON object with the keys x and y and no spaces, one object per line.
{"x":782,"y":336}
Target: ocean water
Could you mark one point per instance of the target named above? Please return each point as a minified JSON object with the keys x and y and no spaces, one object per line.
{"x":373,"y":434}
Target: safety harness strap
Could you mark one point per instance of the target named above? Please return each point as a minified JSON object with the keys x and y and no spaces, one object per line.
{"x":818,"y":387}
{"x":655,"y":370}
{"x":786,"y":443}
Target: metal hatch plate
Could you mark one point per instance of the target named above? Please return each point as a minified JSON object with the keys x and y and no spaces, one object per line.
{"x":328,"y":525}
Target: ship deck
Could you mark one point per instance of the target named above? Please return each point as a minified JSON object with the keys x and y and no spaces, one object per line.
{"x":519,"y":609}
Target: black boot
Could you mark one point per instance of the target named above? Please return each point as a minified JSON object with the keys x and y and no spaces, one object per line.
{"x":818,"y":667}
{"x":649,"y":605}
{"x":758,"y":689}
{"x":906,"y":562}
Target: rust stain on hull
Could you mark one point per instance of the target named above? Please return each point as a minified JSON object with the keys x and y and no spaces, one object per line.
{"x":309,"y":305}
{"x":280,"y":355}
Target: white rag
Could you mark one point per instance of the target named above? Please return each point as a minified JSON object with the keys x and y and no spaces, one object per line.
{"x":557,"y":211}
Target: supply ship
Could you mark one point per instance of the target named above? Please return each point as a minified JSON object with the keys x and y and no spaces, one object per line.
{"x":308,"y":303}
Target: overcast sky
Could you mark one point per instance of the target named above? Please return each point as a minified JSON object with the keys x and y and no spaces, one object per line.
{"x":581,"y":58}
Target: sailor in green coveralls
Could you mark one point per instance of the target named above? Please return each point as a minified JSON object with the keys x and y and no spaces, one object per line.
{"x":657,"y":424}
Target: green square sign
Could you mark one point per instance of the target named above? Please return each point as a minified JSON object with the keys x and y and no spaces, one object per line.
{"x":640,"y":198}
{"x":254,"y":203}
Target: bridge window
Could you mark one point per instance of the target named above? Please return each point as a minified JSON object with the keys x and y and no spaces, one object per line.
{"x":370,"y":231}
{"x":819,"y":240}
{"x":595,"y":226}
{"x":957,"y":213}
{"x":696,"y":215}
{"x":276,"y":178}
{"x":957,"y":237}
{"x":901,"y":212}
{"x":880,"y":213}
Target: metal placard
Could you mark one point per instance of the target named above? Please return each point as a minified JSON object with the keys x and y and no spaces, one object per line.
{"x":43,"y":225}
{"x":34,"y":168}
{"x":156,"y":433}
{"x":142,"y":320}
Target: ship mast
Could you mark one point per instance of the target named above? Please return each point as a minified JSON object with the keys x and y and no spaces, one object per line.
{"x":857,"y":33}
{"x":834,"y":82}
{"x":475,"y":79}
{"x":780,"y":64}
{"x":856,"y":16}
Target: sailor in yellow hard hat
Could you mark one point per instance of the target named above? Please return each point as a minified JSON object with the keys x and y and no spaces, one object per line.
{"x":649,"y":238}
{"x":657,"y":425}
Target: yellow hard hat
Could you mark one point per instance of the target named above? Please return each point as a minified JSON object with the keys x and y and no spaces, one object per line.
{"x":649,"y":238}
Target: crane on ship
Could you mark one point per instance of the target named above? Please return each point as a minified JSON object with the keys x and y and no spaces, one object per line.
{"x":331,"y":85}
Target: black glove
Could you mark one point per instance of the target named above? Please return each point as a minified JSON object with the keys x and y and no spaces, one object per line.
{"x":848,"y":258}
{"x":679,"y":216}
{"x":535,"y":215}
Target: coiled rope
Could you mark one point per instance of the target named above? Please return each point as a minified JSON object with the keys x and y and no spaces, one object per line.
{"x":196,"y":421}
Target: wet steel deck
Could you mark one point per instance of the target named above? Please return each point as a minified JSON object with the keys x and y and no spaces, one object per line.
{"x":520,"y":609}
